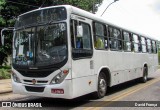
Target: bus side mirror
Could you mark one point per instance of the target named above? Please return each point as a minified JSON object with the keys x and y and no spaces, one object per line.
{"x":79,"y":31}
{"x":2,"y":36}
{"x":5,"y":29}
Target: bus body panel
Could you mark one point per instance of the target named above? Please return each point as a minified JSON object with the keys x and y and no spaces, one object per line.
{"x":84,"y":85}
{"x":124,"y":66}
{"x":19,"y":88}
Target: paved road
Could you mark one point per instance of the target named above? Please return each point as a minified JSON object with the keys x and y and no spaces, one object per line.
{"x":123,"y":94}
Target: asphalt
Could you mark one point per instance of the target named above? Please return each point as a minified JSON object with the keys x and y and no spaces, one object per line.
{"x":5,"y":86}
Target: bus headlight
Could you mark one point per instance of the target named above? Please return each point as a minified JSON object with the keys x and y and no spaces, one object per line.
{"x":60,"y":77}
{"x":15,"y":77}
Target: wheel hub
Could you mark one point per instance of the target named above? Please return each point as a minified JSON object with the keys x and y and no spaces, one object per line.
{"x":102,"y":86}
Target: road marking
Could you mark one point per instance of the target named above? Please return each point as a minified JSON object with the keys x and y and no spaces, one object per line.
{"x":120,"y":96}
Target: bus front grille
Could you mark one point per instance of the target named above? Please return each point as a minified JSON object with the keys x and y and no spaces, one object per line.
{"x":34,"y":89}
{"x":38,"y":81}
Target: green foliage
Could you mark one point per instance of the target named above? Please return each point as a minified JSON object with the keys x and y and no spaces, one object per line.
{"x":5,"y":72}
{"x":2,"y":2}
{"x":5,"y":67}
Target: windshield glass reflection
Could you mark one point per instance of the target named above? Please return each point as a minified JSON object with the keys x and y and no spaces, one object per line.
{"x":40,"y":46}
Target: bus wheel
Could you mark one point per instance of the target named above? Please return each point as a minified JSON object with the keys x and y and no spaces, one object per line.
{"x":145,"y":75}
{"x":102,"y":86}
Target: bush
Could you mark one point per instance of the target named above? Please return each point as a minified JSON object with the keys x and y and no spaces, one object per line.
{"x":5,"y":72}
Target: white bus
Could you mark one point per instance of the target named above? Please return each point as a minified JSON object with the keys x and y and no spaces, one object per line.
{"x":65,"y":52}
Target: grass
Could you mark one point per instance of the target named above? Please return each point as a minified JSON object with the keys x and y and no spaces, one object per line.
{"x":5,"y":72}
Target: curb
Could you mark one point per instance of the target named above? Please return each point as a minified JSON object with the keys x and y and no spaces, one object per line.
{"x":5,"y":86}
{"x":6,"y":91}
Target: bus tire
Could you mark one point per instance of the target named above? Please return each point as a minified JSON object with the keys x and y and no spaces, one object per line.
{"x":102,"y":86}
{"x":145,"y":75}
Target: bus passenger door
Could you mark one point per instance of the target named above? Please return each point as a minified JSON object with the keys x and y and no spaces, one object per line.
{"x":82,"y":52}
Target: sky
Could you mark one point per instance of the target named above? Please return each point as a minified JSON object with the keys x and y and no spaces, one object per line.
{"x":142,"y":16}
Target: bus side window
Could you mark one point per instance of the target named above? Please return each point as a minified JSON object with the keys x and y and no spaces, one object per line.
{"x":115,"y":39}
{"x":126,"y":41}
{"x":144,"y":45}
{"x":72,"y":33}
{"x":100,"y":36}
{"x":136,"y":43}
{"x":140,"y":44}
{"x":149,"y":46}
{"x":154,"y":47}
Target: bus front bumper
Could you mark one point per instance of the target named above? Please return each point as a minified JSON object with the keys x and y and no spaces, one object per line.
{"x":63,"y":90}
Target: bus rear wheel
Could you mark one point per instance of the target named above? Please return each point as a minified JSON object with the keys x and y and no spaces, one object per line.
{"x":145,"y":75}
{"x":102,"y":86}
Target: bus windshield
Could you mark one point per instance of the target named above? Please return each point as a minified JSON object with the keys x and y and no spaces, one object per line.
{"x":40,"y":46}
{"x":40,"y":38}
{"x":41,"y":16}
